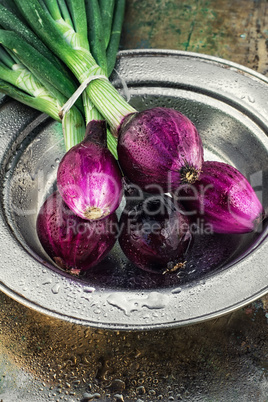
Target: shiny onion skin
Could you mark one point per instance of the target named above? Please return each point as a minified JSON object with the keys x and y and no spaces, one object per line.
{"x":73,"y":243}
{"x":159,"y":147}
{"x":223,"y":198}
{"x":154,"y":235}
{"x":89,"y":179}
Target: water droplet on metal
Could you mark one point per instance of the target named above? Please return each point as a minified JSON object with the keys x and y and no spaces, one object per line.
{"x":47,"y":281}
{"x":55,"y":289}
{"x":128,"y":304}
{"x":177,"y":290}
{"x":89,"y":289}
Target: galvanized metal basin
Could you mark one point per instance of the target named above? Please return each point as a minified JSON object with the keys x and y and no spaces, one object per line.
{"x":228,"y":104}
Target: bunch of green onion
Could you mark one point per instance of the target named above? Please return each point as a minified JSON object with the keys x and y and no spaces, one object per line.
{"x":49,"y":47}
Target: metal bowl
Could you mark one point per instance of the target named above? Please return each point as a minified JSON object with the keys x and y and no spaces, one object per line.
{"x":228,"y":104}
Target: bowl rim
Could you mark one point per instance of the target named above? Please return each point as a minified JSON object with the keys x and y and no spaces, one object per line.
{"x":127,"y":318}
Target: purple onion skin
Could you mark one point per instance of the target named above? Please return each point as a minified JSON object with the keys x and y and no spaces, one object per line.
{"x":154,"y":235}
{"x":223,"y":198}
{"x":73,"y":243}
{"x":159,"y":147}
{"x":89,"y":179}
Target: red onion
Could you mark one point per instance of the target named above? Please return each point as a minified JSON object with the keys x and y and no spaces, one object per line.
{"x":73,"y":243}
{"x":89,"y":179}
{"x":223,"y":198}
{"x":154,"y":235}
{"x":159,"y":147}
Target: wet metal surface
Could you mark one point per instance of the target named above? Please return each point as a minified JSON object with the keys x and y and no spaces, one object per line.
{"x":52,"y":360}
{"x":226,"y":102}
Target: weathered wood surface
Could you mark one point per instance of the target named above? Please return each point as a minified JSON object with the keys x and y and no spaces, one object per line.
{"x":235,"y":30}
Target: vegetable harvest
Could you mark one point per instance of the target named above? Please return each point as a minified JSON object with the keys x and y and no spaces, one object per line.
{"x":75,"y":244}
{"x":224,"y":198}
{"x":89,"y":179}
{"x":53,"y":51}
{"x":162,"y":135}
{"x":155,"y":234}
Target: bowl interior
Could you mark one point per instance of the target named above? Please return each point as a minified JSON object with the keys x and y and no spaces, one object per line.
{"x":228,"y":135}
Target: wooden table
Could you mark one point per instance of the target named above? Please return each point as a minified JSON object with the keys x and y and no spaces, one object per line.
{"x":221,"y":360}
{"x":234,"y":30}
